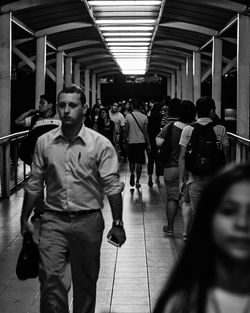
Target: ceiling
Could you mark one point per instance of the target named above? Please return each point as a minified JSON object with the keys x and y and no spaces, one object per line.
{"x":180,"y":27}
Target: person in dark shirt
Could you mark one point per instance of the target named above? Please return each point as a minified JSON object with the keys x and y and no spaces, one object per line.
{"x":154,"y":127}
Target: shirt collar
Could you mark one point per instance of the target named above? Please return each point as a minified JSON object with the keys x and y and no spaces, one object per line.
{"x":204,"y":120}
{"x":82,"y":133}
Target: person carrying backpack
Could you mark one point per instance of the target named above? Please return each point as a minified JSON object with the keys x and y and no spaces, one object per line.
{"x":203,"y":150}
{"x":38,"y":122}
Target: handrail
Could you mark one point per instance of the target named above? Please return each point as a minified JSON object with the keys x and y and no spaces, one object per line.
{"x":11,"y":173}
{"x":239,"y":148}
{"x":13,"y":136}
{"x":244,"y":140}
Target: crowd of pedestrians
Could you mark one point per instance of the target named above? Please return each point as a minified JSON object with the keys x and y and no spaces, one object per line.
{"x":181,"y":141}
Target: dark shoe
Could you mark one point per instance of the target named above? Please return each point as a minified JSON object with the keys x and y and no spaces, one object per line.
{"x":169,"y":233}
{"x":35,"y":218}
{"x":150,"y":182}
{"x":137,"y":185}
{"x":185,"y":236}
{"x":132,"y":180}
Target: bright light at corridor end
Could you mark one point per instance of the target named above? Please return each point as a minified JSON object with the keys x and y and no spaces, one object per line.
{"x":127,"y":28}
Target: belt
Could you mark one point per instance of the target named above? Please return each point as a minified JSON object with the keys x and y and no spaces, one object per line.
{"x":72,"y":213}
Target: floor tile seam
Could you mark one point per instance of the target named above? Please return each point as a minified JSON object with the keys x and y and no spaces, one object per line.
{"x":146,"y":256}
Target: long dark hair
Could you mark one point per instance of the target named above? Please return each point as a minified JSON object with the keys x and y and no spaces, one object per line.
{"x":195,"y":272}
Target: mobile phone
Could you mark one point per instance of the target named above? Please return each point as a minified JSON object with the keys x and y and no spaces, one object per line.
{"x":113,"y":240}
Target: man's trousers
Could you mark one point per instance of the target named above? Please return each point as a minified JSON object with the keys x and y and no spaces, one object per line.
{"x":76,"y":240}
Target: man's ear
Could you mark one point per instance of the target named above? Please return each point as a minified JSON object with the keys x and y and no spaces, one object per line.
{"x":50,"y":105}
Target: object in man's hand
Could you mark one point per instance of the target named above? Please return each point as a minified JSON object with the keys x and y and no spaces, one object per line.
{"x":113,"y":240}
{"x":28,"y":260}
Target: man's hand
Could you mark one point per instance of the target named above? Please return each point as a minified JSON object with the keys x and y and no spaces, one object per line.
{"x":26,"y":227}
{"x":119,"y":233}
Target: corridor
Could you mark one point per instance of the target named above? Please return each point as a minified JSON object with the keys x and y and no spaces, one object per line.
{"x":130,"y":278}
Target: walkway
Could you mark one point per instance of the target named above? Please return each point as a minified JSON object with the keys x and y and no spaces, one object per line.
{"x":130,"y":278}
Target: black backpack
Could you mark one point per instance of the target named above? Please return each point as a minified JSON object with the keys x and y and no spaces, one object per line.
{"x":27,"y":146}
{"x":204,"y":156}
{"x":164,"y":152}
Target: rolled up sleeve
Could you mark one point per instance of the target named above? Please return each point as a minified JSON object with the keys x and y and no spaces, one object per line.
{"x":108,"y":166}
{"x":35,"y":184}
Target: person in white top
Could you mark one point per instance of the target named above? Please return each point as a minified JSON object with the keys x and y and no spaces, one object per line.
{"x":213,"y":271}
{"x":119,"y":120}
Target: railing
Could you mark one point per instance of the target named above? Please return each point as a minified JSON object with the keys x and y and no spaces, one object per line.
{"x":12,"y":170}
{"x":239,"y":148}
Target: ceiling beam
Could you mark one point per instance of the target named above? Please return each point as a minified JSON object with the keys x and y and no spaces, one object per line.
{"x":26,"y":4}
{"x":191,"y":27}
{"x":77,"y":44}
{"x":168,"y":57}
{"x":165,"y":64}
{"x":86,"y":52}
{"x":61,"y":28}
{"x":31,"y":64}
{"x":178,"y":44}
{"x":221,"y":4}
{"x":229,"y":66}
{"x":94,"y":57}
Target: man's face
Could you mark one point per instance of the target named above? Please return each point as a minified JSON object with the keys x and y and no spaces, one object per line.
{"x":44,"y":105}
{"x":115,"y":107}
{"x":70,"y":109}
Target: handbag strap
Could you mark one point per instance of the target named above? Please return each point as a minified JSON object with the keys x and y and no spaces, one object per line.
{"x":137,"y":123}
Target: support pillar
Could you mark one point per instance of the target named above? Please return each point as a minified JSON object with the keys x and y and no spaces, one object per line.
{"x":77,"y":74}
{"x":189,"y":79}
{"x":93,"y":85}
{"x":99,"y":88}
{"x":169,"y":86}
{"x":243,"y":82}
{"x":86,"y":87}
{"x":5,"y":98}
{"x":197,"y":75}
{"x":40,"y":68}
{"x":178,"y":84}
{"x":183,"y":82}
{"x":59,"y":71}
{"x":68,"y":71}
{"x":173,"y":85}
{"x":217,"y":73}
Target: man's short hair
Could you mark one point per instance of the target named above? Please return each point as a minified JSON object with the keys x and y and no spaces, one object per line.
{"x":74,"y":89}
{"x":174,"y":107}
{"x":46,"y":97}
{"x":136,"y":103}
{"x":204,"y":105}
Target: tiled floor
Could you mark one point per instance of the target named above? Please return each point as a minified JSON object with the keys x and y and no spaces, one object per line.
{"x":130,"y":278}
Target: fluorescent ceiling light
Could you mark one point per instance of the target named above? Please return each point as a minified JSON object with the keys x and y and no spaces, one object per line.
{"x":130,"y":53}
{"x":127,"y":3}
{"x":145,"y":44}
{"x":128,"y":49}
{"x":129,"y":56}
{"x":136,"y":39}
{"x":133,"y":72}
{"x":132,"y":28}
{"x":130,"y":21}
{"x":127,"y":34}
